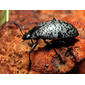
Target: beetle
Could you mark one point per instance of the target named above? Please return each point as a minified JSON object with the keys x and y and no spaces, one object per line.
{"x":52,"y":30}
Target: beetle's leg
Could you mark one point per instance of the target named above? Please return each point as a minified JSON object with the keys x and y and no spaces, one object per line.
{"x":59,"y":56}
{"x":69,"y":50}
{"x":32,"y":41}
{"x":34,"y":45}
{"x":47,"y":42}
{"x":29,"y":63}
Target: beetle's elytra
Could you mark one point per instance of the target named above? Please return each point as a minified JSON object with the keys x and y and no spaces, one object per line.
{"x":54,"y":30}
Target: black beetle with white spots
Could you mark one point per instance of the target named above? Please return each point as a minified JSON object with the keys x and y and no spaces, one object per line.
{"x":52,"y":30}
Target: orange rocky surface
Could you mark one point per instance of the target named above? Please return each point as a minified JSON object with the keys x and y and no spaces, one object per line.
{"x":14,"y":57}
{"x":45,"y":57}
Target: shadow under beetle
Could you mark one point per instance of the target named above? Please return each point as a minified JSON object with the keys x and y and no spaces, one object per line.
{"x":53,"y":30}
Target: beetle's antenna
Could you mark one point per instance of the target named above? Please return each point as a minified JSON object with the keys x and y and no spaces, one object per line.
{"x":18,"y":25}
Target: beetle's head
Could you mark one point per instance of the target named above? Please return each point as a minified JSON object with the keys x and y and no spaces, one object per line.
{"x":26,"y":36}
{"x":30,"y":35}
